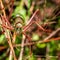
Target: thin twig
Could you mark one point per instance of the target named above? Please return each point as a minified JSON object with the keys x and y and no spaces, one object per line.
{"x":11,"y":9}
{"x":7,"y":34}
{"x":43,"y":41}
{"x":22,"y":48}
{"x":32,"y":7}
{"x":8,"y":4}
{"x":52,"y":34}
{"x":32,"y":43}
{"x":10,"y":56}
{"x":31,"y":19}
{"x":2,"y":7}
{"x":26,"y":27}
{"x":55,"y":16}
{"x":40,"y":26}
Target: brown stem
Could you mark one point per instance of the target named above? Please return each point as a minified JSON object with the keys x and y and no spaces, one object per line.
{"x":11,"y":10}
{"x":52,"y":34}
{"x":22,"y":48}
{"x":2,"y":7}
{"x":32,"y":43}
{"x":43,"y":41}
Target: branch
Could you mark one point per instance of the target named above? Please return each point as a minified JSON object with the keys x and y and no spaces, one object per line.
{"x":2,"y":7}
{"x":22,"y":48}
{"x":10,"y":56}
{"x":32,"y":43}
{"x":7,"y":34}
{"x":43,"y":41}
{"x":52,"y":34}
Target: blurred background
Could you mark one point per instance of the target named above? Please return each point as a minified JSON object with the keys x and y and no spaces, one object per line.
{"x":36,"y":29}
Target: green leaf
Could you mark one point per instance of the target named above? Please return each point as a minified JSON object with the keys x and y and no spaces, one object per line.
{"x":21,"y":13}
{"x":53,"y":45}
{"x":53,"y":58}
{"x":29,"y":3}
{"x":18,"y":39}
{"x":2,"y":38}
{"x":17,"y":51}
{"x":26,"y":51}
{"x":32,"y":57}
{"x":52,"y":48}
{"x":35,"y":37}
{"x":39,"y":45}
